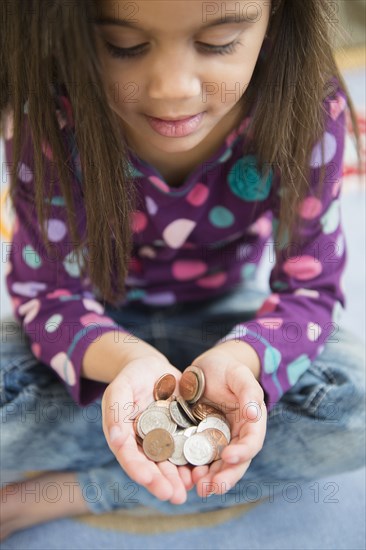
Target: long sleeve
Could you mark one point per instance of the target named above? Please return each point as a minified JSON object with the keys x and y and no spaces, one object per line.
{"x":55,"y":306}
{"x":303,"y":309}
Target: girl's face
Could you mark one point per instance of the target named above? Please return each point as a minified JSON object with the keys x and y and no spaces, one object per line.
{"x":171,"y":59}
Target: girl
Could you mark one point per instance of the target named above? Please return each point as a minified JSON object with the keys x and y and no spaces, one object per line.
{"x":153,"y":151}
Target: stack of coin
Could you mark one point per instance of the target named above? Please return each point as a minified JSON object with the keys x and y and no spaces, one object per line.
{"x":180,"y":428}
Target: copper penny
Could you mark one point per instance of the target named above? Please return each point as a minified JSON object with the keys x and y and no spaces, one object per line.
{"x":158,"y":445}
{"x":201,"y":410}
{"x":164,"y":387}
{"x":219,"y":440}
{"x":188,"y":386}
{"x":200,"y":379}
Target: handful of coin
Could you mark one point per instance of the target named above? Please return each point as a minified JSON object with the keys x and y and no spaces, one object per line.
{"x":180,"y":428}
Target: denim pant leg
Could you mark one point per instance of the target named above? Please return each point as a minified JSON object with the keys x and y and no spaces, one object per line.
{"x":315,"y":430}
{"x":41,"y":427}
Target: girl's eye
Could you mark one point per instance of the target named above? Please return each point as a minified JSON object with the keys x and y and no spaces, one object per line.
{"x":139,"y":50}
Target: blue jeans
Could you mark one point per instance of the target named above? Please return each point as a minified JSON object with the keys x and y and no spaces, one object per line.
{"x":317,"y":428}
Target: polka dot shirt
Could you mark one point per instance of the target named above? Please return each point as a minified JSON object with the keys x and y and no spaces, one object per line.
{"x":190,"y":243}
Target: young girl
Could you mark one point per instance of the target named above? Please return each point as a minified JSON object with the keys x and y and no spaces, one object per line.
{"x":154,"y":148}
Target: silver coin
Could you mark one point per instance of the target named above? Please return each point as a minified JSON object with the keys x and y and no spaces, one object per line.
{"x":190,"y":431}
{"x":187,"y":410}
{"x":215,"y":422}
{"x":199,"y":450}
{"x":155,"y":418}
{"x":178,"y":457}
{"x":177,"y":414}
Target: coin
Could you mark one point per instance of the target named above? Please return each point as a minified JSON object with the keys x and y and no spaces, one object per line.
{"x":178,"y":457}
{"x":201,"y":410}
{"x":155,"y":418}
{"x":199,"y":450}
{"x":178,"y":415}
{"x":218,"y":438}
{"x":164,"y":387}
{"x":189,"y":386}
{"x":186,"y":409}
{"x":158,"y":445}
{"x":215,"y":422}
{"x":190,"y":431}
{"x":200,"y":380}
{"x":160,"y":403}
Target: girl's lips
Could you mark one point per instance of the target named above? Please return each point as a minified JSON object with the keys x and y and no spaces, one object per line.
{"x":175,"y":128}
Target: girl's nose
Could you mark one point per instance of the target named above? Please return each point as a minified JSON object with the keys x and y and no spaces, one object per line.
{"x":173,"y":76}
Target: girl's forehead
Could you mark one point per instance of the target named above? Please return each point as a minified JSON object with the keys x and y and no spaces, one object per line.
{"x":159,"y":15}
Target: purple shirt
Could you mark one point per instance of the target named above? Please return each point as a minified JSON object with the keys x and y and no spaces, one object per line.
{"x":190,"y":243}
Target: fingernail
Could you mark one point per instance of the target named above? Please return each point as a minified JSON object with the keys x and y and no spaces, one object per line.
{"x":114,"y":433}
{"x":210,"y":494}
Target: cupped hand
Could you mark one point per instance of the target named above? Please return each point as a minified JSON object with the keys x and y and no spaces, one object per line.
{"x":130,"y":393}
{"x":232,"y":387}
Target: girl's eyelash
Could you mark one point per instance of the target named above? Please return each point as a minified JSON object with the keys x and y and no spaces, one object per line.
{"x":139,"y":50}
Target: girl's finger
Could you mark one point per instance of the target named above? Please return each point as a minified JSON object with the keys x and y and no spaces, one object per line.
{"x":198,"y":472}
{"x":170,"y":472}
{"x":185,"y":473}
{"x":229,"y":476}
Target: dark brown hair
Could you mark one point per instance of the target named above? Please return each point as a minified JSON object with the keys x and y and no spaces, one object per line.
{"x":44,"y":42}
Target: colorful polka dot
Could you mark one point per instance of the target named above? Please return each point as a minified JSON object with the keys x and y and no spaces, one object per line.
{"x":248,"y":270}
{"x":147,"y":252}
{"x":47,"y":151}
{"x":93,"y":318}
{"x":198,"y":195}
{"x":212,"y":281}
{"x":184,"y":270}
{"x":226,"y":155}
{"x":53,"y":322}
{"x":25,"y":174}
{"x":36,"y":349}
{"x":330,"y":147}
{"x":30,"y":257}
{"x":261,"y":227}
{"x":220,"y":216}
{"x":160,"y":299}
{"x":70,"y":264}
{"x":296,"y":368}
{"x":313,"y":331}
{"x":29,"y":289}
{"x":64,"y":368}
{"x":135,"y":294}
{"x":336,"y":187}
{"x":159,"y":183}
{"x":135,"y":265}
{"x":93,"y":305}
{"x":177,"y":232}
{"x":307,"y":292}
{"x":58,"y":293}
{"x":30,"y":310}
{"x":272,"y":359}
{"x":330,"y":220}
{"x":279,"y":285}
{"x":56,"y":230}
{"x":245,"y":180}
{"x":310,"y":208}
{"x":271,"y":322}
{"x":151,"y":206}
{"x":56,"y":201}
{"x":269,"y":304}
{"x":139,"y":221}
{"x":303,"y":268}
{"x":337,"y":107}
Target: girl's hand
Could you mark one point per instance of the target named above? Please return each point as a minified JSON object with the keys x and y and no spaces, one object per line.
{"x":130,"y":393}
{"x":232,"y":387}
